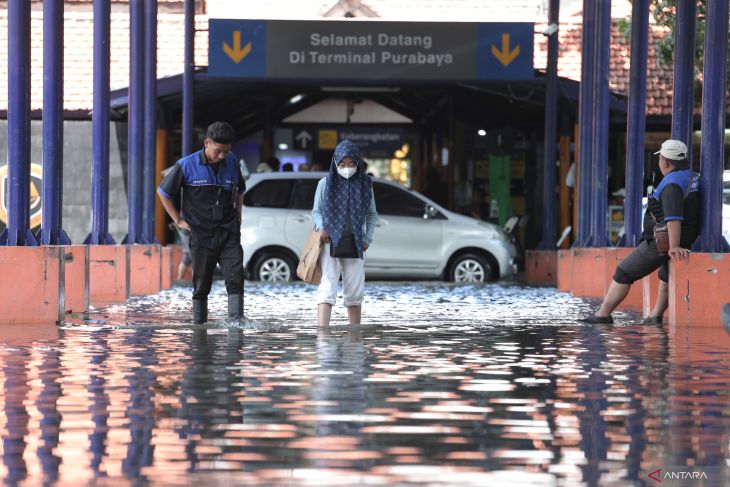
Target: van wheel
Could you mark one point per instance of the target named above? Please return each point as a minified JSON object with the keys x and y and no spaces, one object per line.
{"x":271,"y":267}
{"x":470,"y":268}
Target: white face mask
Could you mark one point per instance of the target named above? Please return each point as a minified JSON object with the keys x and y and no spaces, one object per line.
{"x":347,"y":172}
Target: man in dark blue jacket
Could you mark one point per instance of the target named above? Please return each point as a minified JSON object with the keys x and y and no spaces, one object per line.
{"x":212,"y":200}
{"x":676,"y":202}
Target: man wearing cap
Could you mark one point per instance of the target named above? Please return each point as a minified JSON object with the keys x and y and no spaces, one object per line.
{"x":675,"y":201}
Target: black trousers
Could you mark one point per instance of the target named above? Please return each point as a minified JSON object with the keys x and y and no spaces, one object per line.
{"x":228,"y":251}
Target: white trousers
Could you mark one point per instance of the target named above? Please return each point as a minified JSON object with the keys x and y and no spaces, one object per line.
{"x":353,"y":279}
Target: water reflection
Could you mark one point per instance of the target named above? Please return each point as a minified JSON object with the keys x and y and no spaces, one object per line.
{"x":442,"y":386}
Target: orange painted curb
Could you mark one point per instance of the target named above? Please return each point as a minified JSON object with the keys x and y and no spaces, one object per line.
{"x":30,"y":283}
{"x":635,"y":299}
{"x":108,"y":274}
{"x":145,"y":269}
{"x":698,"y":287}
{"x":565,"y":269}
{"x":589,"y":272}
{"x":76,"y":278}
{"x":541,"y":267}
{"x":166,"y":281}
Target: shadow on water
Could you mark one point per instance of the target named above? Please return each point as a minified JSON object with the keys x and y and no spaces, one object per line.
{"x":443,"y":385}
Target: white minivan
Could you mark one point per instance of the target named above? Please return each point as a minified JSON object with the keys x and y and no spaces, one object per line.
{"x":414,"y":237}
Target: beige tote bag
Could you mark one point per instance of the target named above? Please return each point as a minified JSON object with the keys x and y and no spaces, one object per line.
{"x":309,"y":269}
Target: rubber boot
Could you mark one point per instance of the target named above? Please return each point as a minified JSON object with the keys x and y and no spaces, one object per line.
{"x":235,"y":306}
{"x":200,"y":311}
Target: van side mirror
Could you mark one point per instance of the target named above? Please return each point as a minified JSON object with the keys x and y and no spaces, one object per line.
{"x":511,"y":223}
{"x":429,"y":212}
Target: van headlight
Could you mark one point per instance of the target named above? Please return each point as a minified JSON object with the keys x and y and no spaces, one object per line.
{"x":496,"y":233}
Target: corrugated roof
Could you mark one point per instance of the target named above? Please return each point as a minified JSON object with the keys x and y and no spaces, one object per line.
{"x":79,"y":51}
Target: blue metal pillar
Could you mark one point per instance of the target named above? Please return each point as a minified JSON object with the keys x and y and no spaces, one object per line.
{"x":684,"y":73}
{"x":100,"y":127}
{"x":586,"y":125}
{"x":712,"y":155}
{"x":135,"y":120}
{"x":551,"y":133}
{"x":188,"y":79}
{"x":52,"y":195}
{"x":150,"y":122}
{"x":636,"y":124}
{"x":599,"y":173}
{"x":18,"y":228}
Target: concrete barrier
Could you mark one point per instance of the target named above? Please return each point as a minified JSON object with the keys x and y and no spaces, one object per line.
{"x":31,"y":285}
{"x":541,"y":267}
{"x":167,"y":275}
{"x":145,"y":269}
{"x":565,"y":270}
{"x":108,"y":274}
{"x":588,"y":272}
{"x":76,"y":278}
{"x":698,"y":287}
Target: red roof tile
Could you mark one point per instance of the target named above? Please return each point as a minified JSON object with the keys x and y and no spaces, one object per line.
{"x":659,"y":78}
{"x":78,"y":54}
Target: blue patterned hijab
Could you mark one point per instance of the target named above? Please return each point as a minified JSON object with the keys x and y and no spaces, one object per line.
{"x":354,"y":193}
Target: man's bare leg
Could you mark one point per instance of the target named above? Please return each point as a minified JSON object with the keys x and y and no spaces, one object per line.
{"x":616,"y":293}
{"x":181,"y":269}
{"x":324,"y":312}
{"x":662,"y":300}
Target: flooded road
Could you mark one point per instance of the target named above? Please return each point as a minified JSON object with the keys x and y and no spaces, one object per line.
{"x":441,"y":385}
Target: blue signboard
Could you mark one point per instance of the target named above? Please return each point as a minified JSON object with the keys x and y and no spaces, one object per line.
{"x":505,"y":50}
{"x":237,"y":48}
{"x":350,"y":50}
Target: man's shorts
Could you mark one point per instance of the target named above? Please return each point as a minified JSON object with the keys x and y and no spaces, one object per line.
{"x":644,"y":260}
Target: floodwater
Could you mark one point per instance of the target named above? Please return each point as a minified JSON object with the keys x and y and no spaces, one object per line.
{"x":441,"y":385}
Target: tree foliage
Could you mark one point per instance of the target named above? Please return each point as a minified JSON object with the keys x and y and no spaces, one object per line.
{"x":664,"y":13}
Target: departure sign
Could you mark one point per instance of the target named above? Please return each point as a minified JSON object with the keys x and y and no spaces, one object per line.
{"x":346,"y":50}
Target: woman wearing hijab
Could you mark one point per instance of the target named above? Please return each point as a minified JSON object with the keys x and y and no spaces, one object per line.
{"x":343,"y":205}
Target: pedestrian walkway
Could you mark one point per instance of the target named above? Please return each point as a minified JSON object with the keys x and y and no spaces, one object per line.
{"x":442,"y":385}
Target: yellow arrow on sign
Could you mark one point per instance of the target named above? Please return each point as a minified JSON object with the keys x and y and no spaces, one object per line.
{"x":505,"y":56}
{"x":236,"y":53}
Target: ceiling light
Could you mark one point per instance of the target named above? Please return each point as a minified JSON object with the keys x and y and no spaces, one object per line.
{"x":481,"y":132}
{"x":364,"y":89}
{"x":296,"y":98}
{"x":283,"y":146}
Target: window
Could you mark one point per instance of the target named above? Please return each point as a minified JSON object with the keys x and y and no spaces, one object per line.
{"x":303,"y":194}
{"x":269,"y":194}
{"x":391,"y":200}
